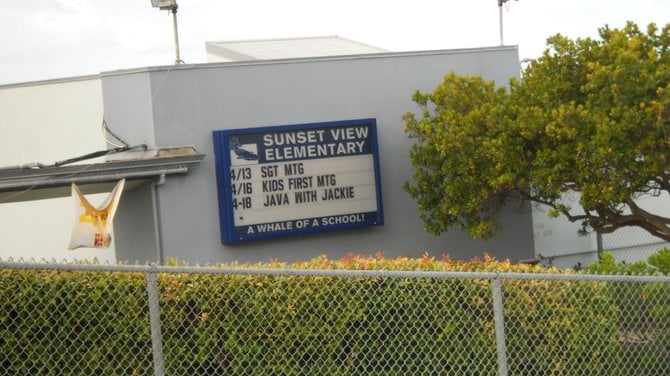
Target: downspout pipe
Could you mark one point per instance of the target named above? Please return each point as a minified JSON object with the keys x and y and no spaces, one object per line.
{"x":158,"y":231}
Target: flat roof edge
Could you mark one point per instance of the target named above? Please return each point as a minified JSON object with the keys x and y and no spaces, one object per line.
{"x":50,"y":81}
{"x":379,"y":55}
{"x":160,"y":68}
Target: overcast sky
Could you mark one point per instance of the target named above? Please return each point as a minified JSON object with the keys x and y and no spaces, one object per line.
{"x":44,"y":39}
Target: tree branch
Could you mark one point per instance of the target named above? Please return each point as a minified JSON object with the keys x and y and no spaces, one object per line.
{"x":606,"y":220}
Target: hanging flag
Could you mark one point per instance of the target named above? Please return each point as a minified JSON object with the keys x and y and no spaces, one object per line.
{"x":93,"y":226}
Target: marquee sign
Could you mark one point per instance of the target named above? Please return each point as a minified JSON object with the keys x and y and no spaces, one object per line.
{"x":297,"y":179}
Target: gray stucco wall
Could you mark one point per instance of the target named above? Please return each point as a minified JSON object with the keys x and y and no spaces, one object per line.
{"x":188,"y":102}
{"x":135,"y":234}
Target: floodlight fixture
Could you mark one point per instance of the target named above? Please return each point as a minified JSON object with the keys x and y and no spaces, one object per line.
{"x":164,"y":4}
{"x":171,"y":6}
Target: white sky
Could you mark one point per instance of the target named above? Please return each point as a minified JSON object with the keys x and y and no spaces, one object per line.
{"x":43,"y":39}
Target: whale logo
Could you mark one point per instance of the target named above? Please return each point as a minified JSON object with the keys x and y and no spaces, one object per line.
{"x":242,"y":153}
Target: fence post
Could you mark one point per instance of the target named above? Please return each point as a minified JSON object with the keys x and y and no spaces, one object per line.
{"x":155,"y":321}
{"x":499,"y":321}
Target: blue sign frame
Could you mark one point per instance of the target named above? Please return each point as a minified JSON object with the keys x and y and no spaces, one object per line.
{"x":275,"y":171}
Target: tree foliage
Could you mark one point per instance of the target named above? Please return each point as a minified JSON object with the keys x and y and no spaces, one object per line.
{"x":589,"y":120}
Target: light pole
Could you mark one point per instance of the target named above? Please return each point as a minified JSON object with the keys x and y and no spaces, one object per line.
{"x":171,"y":5}
{"x":500,"y":17}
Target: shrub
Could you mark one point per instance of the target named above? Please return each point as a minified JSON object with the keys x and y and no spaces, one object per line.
{"x":661,"y":261}
{"x":292,"y":324}
{"x":296,"y":325}
{"x":643,"y":318}
{"x":73,"y":323}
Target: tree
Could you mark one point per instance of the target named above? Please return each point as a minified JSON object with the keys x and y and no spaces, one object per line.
{"x":590,"y":119}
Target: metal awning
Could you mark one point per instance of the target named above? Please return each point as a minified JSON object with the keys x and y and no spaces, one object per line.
{"x":43,"y":182}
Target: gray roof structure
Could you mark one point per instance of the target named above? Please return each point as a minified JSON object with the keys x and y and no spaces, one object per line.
{"x":289,"y":48}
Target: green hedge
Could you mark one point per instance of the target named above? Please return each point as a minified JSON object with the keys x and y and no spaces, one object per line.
{"x":643,"y":313}
{"x":330,"y":326}
{"x":68,"y":323}
{"x":73,"y":323}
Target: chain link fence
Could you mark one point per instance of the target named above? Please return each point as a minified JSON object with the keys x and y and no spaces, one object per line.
{"x":160,"y":320}
{"x":631,"y":244}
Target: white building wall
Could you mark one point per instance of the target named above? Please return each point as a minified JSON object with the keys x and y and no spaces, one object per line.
{"x":557,"y":240}
{"x":47,"y":122}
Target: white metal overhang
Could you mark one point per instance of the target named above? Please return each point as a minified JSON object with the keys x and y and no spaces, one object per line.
{"x":37,"y":182}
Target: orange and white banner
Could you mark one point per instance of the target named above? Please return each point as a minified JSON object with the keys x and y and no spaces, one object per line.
{"x":92,"y":226}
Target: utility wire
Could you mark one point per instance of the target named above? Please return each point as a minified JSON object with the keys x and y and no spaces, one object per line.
{"x":106,"y":129}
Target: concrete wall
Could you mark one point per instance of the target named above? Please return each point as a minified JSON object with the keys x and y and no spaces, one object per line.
{"x":188,"y":102}
{"x":136,"y":215}
{"x":47,"y":122}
